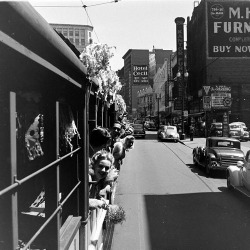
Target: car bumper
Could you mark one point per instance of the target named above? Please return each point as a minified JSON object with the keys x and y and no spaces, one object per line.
{"x":139,"y":134}
{"x":170,"y":138}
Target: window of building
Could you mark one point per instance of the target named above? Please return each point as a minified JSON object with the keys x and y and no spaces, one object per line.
{"x":71,"y":32}
{"x":89,"y":34}
{"x":76,"y":41}
{"x":82,"y":32}
{"x":82,"y":41}
{"x":65,"y":32}
{"x":77,"y":33}
{"x":71,"y":40}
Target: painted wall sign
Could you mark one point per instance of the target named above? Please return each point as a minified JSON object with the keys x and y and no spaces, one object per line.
{"x":140,"y":74}
{"x":228,"y":28}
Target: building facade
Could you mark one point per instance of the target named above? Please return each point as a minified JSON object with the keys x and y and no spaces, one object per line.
{"x":218,"y":60}
{"x":136,"y":63}
{"x":140,"y":67}
{"x":79,"y":35}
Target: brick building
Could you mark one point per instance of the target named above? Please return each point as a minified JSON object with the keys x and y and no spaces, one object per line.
{"x":218,"y":60}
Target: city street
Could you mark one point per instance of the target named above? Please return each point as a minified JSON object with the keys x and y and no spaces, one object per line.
{"x":170,"y":204}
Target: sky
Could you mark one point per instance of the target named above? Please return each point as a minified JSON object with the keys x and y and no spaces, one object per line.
{"x":126,"y":24}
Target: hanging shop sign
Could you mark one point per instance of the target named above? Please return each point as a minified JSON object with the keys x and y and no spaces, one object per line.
{"x":228,"y":28}
{"x":218,"y":95}
{"x":140,"y":74}
{"x":207,"y":103}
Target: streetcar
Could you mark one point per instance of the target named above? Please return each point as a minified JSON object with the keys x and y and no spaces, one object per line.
{"x":48,"y":106}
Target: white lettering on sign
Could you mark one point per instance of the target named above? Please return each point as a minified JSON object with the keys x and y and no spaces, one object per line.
{"x":236,"y":13}
{"x":242,"y":48}
{"x":140,"y":73}
{"x":220,"y":88}
{"x":232,"y":27}
{"x":221,"y":48}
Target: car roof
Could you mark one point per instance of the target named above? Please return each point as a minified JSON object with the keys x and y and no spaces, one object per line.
{"x":215,"y":138}
{"x":237,"y":123}
{"x":168,"y":126}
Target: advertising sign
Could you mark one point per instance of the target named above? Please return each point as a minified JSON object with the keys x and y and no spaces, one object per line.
{"x":140,"y":74}
{"x":228,"y":28}
{"x":225,"y":125}
{"x":180,"y":43}
{"x":207,"y":103}
{"x":217,"y":97}
{"x":130,"y":90}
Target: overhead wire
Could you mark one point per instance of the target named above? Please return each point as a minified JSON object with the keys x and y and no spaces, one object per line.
{"x":84,"y":6}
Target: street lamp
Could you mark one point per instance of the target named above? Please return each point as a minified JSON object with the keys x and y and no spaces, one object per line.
{"x":158,"y":97}
{"x":183,"y":85}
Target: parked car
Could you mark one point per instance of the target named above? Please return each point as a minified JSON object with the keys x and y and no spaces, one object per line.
{"x":218,"y":153}
{"x":215,"y":129}
{"x":168,"y":133}
{"x":238,"y":130}
{"x":246,"y":135}
{"x":150,"y":126}
{"x":238,"y":177}
{"x":139,"y":131}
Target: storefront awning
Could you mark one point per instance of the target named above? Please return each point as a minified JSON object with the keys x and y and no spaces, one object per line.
{"x":196,"y":114}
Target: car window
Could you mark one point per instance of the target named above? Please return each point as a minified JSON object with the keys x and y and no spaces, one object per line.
{"x":219,"y":126}
{"x":234,"y":126}
{"x":138,"y":126}
{"x":228,"y":144}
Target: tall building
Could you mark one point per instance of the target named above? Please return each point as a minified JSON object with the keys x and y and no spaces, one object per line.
{"x":79,"y":35}
{"x":157,"y":58}
{"x":218,"y":58}
{"x":136,"y":63}
{"x":140,"y":67}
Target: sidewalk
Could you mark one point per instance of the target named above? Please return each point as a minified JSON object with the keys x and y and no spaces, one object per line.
{"x":197,"y":141}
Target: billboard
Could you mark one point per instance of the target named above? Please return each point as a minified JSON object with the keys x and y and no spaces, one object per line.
{"x":216,"y":97}
{"x":140,"y":74}
{"x":228,"y":28}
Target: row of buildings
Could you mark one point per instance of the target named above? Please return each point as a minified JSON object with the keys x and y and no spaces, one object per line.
{"x":213,"y":82}
{"x":206,"y":80}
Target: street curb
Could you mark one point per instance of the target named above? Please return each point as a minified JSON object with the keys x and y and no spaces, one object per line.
{"x":181,"y":142}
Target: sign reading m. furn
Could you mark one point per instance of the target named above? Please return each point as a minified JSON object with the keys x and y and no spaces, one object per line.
{"x":228,"y":28}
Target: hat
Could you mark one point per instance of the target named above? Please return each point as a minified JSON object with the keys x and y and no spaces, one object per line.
{"x":117,"y":125}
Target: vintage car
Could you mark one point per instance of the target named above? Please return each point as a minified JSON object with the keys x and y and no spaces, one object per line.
{"x":215,"y":129}
{"x":150,"y":125}
{"x":218,"y":153}
{"x":139,"y":131}
{"x":168,"y":133}
{"x":238,"y":177}
{"x":238,"y":130}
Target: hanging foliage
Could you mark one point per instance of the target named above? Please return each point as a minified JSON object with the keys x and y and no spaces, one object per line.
{"x":121,"y":105}
{"x":96,"y":58}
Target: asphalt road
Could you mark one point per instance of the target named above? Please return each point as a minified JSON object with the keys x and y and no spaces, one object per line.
{"x":170,"y":204}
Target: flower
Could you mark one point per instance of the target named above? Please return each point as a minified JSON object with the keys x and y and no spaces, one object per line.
{"x":115,"y":214}
{"x":121,"y":105}
{"x":95,"y":57}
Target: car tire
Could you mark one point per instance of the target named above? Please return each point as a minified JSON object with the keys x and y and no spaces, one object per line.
{"x":208,"y":169}
{"x":229,"y":185}
{"x":194,"y":161}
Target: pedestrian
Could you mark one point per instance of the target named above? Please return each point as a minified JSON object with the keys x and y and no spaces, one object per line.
{"x":101,"y":173}
{"x":115,"y":133}
{"x":191,"y":132}
{"x":120,"y":148}
{"x":100,"y":138}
